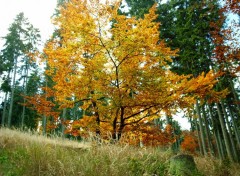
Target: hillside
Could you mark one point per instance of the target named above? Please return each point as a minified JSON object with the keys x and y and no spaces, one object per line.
{"x":31,"y":154}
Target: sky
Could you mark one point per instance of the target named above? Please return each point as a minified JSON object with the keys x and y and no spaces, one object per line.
{"x":38,"y":12}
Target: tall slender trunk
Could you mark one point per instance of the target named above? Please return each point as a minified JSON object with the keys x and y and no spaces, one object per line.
{"x":236,"y":131}
{"x":235,"y":95}
{"x":225,"y":133}
{"x":44,"y":117}
{"x":221,"y":156}
{"x":24,"y":99}
{"x":12,"y":93}
{"x":207,"y":130}
{"x":221,"y":144}
{"x":234,"y":151}
{"x":201,"y":129}
{"x":192,"y":126}
{"x":199,"y":138}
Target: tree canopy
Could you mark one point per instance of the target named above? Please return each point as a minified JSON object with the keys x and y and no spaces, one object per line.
{"x":117,"y":66}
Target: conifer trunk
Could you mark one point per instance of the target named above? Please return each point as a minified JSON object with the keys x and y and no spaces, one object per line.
{"x":201,"y":129}
{"x":24,"y":99}
{"x":219,"y":149}
{"x":236,"y":131}
{"x":235,"y":96}
{"x":225,"y":133}
{"x":210,"y":146}
{"x":221,"y":144}
{"x":234,"y":151}
{"x":199,"y":138}
{"x":12,"y":93}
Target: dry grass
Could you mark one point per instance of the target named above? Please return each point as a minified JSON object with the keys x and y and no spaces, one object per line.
{"x":213,"y":167}
{"x":24,"y":154}
{"x":9,"y":137}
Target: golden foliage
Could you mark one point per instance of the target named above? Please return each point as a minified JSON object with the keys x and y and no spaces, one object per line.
{"x":117,"y":66}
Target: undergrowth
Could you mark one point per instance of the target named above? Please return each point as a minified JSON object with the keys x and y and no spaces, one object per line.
{"x":22,"y":154}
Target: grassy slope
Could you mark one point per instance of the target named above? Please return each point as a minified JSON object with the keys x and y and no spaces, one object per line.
{"x":28,"y":154}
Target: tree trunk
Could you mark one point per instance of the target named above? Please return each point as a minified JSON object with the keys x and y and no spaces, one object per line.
{"x":63,"y":120}
{"x":25,"y":93}
{"x":210,"y":146}
{"x":234,"y":151}
{"x":221,"y":156}
{"x":12,"y":93}
{"x":98,"y":133}
{"x":225,"y":134}
{"x":122,"y":123}
{"x":236,"y":131}
{"x":235,"y":95}
{"x":44,"y":125}
{"x":201,"y":129}
{"x":199,"y":138}
{"x":221,"y":144}
{"x":114,"y":124}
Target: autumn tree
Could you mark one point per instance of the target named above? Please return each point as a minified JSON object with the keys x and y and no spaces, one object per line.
{"x":117,"y":67}
{"x":190,"y":143}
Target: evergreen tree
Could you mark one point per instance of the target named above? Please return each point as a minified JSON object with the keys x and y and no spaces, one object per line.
{"x":19,"y":45}
{"x":138,"y":8}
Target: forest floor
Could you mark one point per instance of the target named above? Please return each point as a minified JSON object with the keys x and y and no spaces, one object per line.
{"x":29,"y":154}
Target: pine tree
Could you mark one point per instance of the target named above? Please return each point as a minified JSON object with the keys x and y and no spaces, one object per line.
{"x":19,"y":45}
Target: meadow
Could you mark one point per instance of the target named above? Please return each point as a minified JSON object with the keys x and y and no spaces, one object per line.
{"x":30,"y":154}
